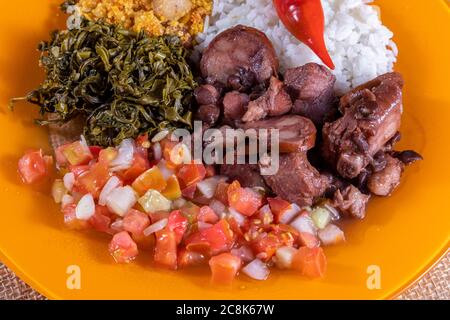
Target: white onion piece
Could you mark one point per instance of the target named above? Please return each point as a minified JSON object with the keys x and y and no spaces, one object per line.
{"x":157,"y":226}
{"x":284,"y":256}
{"x":85,"y":208}
{"x":120,"y":200}
{"x":244,"y":252}
{"x":180,"y":154}
{"x":290,"y":213}
{"x":203,"y":225}
{"x":304,"y":223}
{"x":110,"y":185}
{"x":165,"y":171}
{"x":160,"y":135}
{"x":240,"y":219}
{"x":330,"y":235}
{"x":217,"y":206}
{"x":157,"y":151}
{"x":66,"y":200}
{"x":117,"y":225}
{"x":256,"y":270}
{"x":69,"y":180}
{"x":125,"y":155}
{"x":179,"y":203}
{"x":265,"y":214}
{"x":208,"y":186}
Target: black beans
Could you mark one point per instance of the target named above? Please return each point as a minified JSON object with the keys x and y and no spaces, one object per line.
{"x":408,"y":156}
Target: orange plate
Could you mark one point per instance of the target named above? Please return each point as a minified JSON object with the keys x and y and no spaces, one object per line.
{"x":403,"y":235}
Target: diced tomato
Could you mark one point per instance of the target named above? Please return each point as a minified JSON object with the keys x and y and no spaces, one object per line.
{"x":142,"y":141}
{"x":107,"y":155}
{"x":210,"y":171}
{"x":71,"y":221}
{"x":101,"y":219}
{"x":93,"y":180}
{"x":178,"y":224}
{"x":278,"y":206}
{"x":218,"y":238}
{"x":221,"y":193}
{"x":167,"y":145}
{"x":237,"y":230}
{"x":34,"y":167}
{"x":172,"y":190}
{"x":265,"y":246}
{"x":224,"y":268}
{"x":308,"y":240}
{"x":123,"y":248}
{"x":95,"y":151}
{"x":166,"y":249}
{"x":189,"y":192}
{"x":79,"y":170}
{"x":191,"y":212}
{"x":144,"y":242}
{"x":207,"y":214}
{"x":150,"y":179}
{"x":244,"y":200}
{"x":190,"y":258}
{"x":310,"y":262}
{"x":135,"y":222}
{"x":156,"y":216}
{"x":191,"y":173}
{"x":74,"y":153}
{"x":139,"y":166}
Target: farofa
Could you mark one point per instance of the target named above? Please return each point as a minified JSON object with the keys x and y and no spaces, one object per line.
{"x":139,"y":15}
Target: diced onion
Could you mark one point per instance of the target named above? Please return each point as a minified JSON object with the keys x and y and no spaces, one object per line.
{"x":290,"y":213}
{"x":321,"y":217}
{"x":66,"y":200}
{"x":331,"y":234}
{"x":244,"y":252}
{"x":284,"y":256}
{"x":256,"y":270}
{"x":217,"y":206}
{"x":125,"y":156}
{"x":157,"y":226}
{"x":179,"y":203}
{"x":69,"y":180}
{"x":304,"y":223}
{"x":180,"y":154}
{"x":117,"y":225}
{"x":85,"y":208}
{"x":112,"y":184}
{"x":165,"y":171}
{"x":239,"y":218}
{"x":203,"y":225}
{"x":334,"y":213}
{"x":120,"y":200}
{"x":58,"y":190}
{"x":157,"y":151}
{"x":160,"y":135}
{"x":208,"y":186}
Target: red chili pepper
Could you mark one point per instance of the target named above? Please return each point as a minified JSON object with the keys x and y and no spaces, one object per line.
{"x":306,"y":21}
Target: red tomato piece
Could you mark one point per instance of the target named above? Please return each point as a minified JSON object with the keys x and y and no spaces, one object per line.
{"x":244,"y":200}
{"x":191,"y":173}
{"x":101,"y":220}
{"x":224,"y":268}
{"x":93,"y":180}
{"x":107,"y":155}
{"x":310,"y":262}
{"x":123,"y":248}
{"x":135,"y":222}
{"x":278,"y":206}
{"x":150,"y":179}
{"x":178,"y":224}
{"x":74,"y":153}
{"x":189,"y":192}
{"x":265,"y":246}
{"x":221,"y":193}
{"x":208,"y":215}
{"x":190,"y":258}
{"x":166,"y":249}
{"x":218,"y":238}
{"x":95,"y":151}
{"x":71,"y":221}
{"x":140,"y":165}
{"x":79,"y":170}
{"x":210,"y":170}
{"x":33,"y":167}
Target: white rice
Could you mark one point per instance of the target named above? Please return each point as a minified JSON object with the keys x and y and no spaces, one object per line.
{"x":360,"y":46}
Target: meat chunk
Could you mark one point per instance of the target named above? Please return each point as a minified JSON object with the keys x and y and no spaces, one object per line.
{"x":275,"y":102}
{"x":208,"y":113}
{"x":312,"y":89}
{"x":296,"y":133}
{"x":248,"y":175}
{"x":371,"y":118}
{"x":243,"y":53}
{"x":383,"y":182}
{"x":206,"y":94}
{"x":351,"y":202}
{"x":234,"y":105}
{"x":296,"y":180}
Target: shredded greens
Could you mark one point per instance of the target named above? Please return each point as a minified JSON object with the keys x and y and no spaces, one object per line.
{"x":124,"y":83}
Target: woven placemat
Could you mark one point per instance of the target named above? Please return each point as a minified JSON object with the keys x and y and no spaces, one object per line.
{"x":433,"y":286}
